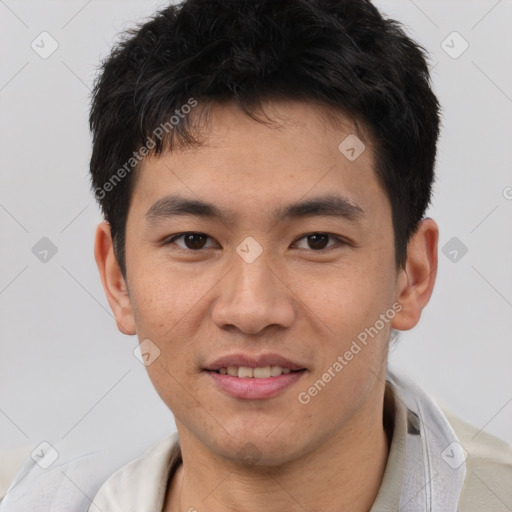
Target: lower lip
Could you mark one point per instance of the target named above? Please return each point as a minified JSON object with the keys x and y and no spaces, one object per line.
{"x":254,"y":389}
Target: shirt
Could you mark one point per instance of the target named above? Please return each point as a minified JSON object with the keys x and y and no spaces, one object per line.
{"x":436,"y":463}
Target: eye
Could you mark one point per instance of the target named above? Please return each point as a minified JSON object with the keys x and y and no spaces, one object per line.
{"x":318,"y":241}
{"x":193,"y":241}
{"x":196,"y":241}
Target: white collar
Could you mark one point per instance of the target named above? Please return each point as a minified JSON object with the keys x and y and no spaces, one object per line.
{"x":428,"y":482}
{"x":140,"y":486}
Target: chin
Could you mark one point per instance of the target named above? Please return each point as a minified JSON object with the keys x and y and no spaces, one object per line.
{"x":259,"y":449}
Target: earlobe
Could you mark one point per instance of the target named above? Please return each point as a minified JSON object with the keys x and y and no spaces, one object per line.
{"x":112,"y":280}
{"x":416,"y":281}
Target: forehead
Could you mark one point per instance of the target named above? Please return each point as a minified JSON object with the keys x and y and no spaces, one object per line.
{"x":284,"y":121}
{"x":300,"y":150}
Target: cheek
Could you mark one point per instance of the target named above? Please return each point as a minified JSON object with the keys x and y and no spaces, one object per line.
{"x":161,"y":317}
{"x":163,"y":311}
{"x":349,"y":298}
{"x":355,"y":307}
{"x":352,"y":349}
{"x":161,"y":296}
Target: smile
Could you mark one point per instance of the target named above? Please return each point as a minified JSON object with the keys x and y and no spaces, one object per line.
{"x":254,"y":383}
{"x":245,"y":372}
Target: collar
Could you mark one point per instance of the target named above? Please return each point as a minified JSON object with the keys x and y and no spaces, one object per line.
{"x":434,"y":462}
{"x":418,"y":475}
{"x":141,"y":485}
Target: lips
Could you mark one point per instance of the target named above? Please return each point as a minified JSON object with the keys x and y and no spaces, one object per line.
{"x":262,"y":372}
{"x":254,"y":361}
{"x":254,"y":377}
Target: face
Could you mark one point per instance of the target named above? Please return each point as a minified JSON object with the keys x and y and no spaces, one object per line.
{"x":264,"y":284}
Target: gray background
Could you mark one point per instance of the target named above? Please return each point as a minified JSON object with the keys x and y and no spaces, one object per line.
{"x":70,"y":378}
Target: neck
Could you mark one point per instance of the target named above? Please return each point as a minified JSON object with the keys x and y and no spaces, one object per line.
{"x":344,"y":473}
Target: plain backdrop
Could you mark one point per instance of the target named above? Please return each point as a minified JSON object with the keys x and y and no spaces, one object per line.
{"x":70,"y":378}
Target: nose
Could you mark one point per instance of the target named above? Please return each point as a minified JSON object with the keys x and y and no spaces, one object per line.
{"x":254,"y":296}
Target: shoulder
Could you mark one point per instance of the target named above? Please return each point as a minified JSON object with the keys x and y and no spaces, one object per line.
{"x":65,"y":486}
{"x":61,"y":487}
{"x":141,"y":484}
{"x":463,"y":468}
{"x":488,"y":468}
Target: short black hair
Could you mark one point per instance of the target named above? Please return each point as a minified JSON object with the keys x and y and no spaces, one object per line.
{"x":340,"y":54}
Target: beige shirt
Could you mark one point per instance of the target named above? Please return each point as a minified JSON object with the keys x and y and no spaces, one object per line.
{"x":141,"y":485}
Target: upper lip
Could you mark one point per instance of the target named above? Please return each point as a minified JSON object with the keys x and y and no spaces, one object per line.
{"x":253,"y":361}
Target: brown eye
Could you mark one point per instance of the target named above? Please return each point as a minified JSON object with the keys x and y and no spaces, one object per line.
{"x":320,"y":241}
{"x":192,"y":241}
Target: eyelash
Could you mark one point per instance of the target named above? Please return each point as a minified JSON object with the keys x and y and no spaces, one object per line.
{"x":340,"y":241}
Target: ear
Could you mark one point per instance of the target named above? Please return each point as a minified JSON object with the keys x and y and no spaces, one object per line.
{"x":416,"y":281}
{"x":112,"y":279}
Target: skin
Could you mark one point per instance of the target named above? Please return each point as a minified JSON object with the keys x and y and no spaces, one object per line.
{"x":305,"y":304}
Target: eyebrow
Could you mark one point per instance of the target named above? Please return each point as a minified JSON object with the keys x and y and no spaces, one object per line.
{"x":324,"y":206}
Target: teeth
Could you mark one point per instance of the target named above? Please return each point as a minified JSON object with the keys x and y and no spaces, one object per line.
{"x":261,"y":373}
{"x":275,"y":371}
{"x":244,"y":372}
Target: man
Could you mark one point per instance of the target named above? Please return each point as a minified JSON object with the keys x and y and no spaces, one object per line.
{"x":264,"y":169}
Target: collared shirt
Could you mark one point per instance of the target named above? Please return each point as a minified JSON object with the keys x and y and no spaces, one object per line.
{"x":436,"y":463}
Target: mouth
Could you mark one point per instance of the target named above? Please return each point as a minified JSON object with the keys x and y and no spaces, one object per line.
{"x":254,"y":377}
{"x":258,"y":364}
{"x":262,"y":372}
